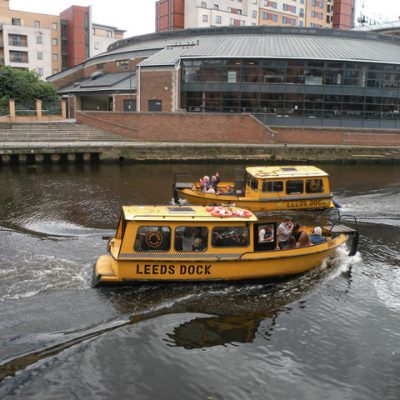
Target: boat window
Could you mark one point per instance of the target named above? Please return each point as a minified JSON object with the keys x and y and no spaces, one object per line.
{"x":266,"y":233}
{"x":272,"y":186}
{"x":314,"y":186}
{"x":254,"y":184}
{"x":230,"y":236}
{"x":153,"y":238}
{"x":294,"y":186}
{"x":191,"y":238}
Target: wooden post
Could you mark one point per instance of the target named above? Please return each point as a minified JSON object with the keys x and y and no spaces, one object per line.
{"x":63,"y":109}
{"x":12,"y":110}
{"x":38,"y":109}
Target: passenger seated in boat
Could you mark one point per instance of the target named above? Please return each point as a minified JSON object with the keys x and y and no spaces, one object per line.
{"x":197,"y":244}
{"x":210,"y":190}
{"x":229,"y":191}
{"x":296,"y":231}
{"x":187,"y":239}
{"x":304,"y":240}
{"x":316,"y":237}
{"x":314,"y":186}
{"x":290,"y":243}
{"x":265,"y":234}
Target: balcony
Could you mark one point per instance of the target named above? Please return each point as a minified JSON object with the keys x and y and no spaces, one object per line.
{"x":18,"y":43}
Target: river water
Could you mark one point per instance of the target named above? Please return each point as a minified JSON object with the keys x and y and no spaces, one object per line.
{"x":333,"y":333}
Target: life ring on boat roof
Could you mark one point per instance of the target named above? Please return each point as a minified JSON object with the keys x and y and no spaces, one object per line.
{"x":240,"y":212}
{"x":221,"y":212}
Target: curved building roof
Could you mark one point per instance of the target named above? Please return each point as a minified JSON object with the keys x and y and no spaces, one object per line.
{"x":166,"y":48}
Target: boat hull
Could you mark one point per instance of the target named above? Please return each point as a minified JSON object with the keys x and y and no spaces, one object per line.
{"x":212,"y":267}
{"x":197,"y":198}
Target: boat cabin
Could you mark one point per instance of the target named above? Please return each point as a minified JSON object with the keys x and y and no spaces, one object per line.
{"x":287,"y":183}
{"x":149,"y":230}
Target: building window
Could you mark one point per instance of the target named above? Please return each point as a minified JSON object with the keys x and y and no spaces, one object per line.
{"x":101,"y":66}
{"x":254,"y":14}
{"x":155,"y":105}
{"x":121,"y":63}
{"x":54,"y":26}
{"x":19,"y":56}
{"x":55,"y":57}
{"x":242,"y":23}
{"x":205,"y":18}
{"x":39,"y":55}
{"x":16,"y":21}
{"x":40,"y":71}
{"x":55,"y":41}
{"x":39,"y":39}
{"x":109,"y":34}
{"x":96,"y":45}
{"x":203,"y":4}
{"x":216,"y":7}
{"x":18,"y":40}
{"x":218,"y":19}
{"x":37,"y":24}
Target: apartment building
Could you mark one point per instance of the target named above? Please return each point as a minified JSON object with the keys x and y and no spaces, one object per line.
{"x":48,"y":44}
{"x":30,"y":40}
{"x":295,"y":13}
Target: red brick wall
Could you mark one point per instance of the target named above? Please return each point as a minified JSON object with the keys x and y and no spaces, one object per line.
{"x":225,"y":128}
{"x":156,"y":85}
{"x":182,"y":127}
{"x":361,"y":137}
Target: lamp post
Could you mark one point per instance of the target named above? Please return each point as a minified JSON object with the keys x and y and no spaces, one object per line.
{"x":130,"y":83}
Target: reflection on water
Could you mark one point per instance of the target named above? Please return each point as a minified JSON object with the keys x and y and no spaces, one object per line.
{"x":310,"y":335}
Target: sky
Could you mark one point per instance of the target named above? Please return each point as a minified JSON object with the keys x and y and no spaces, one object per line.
{"x":137,"y":16}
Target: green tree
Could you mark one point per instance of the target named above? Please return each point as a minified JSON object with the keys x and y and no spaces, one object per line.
{"x":24,"y":87}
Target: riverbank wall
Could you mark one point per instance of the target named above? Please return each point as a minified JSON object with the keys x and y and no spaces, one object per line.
{"x":142,"y":138}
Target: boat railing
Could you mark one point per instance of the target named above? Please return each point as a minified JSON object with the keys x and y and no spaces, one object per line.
{"x":338,"y":226}
{"x":182,"y":180}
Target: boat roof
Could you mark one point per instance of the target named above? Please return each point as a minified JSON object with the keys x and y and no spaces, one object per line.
{"x":180,"y":213}
{"x":292,"y":171}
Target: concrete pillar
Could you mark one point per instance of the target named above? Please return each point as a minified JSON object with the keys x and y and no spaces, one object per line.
{"x":63,"y":109}
{"x":5,"y":158}
{"x":22,"y":158}
{"x":86,"y":157}
{"x":55,"y":158}
{"x":39,"y":158}
{"x":12,"y":110}
{"x":39,"y":109}
{"x":71,"y":157}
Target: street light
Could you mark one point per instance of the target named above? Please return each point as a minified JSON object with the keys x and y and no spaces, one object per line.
{"x":130,"y":83}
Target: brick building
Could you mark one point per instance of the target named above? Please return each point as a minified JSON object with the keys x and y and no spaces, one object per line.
{"x":283,"y":76}
{"x":180,"y":14}
{"x":49,"y":43}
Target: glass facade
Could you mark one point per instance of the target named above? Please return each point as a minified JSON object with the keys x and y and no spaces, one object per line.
{"x":292,"y":88}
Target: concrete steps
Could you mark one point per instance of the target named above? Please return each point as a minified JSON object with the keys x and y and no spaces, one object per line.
{"x":55,"y":132}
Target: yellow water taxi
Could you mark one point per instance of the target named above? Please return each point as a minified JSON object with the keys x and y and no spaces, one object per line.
{"x":199,"y":243}
{"x":263,"y":188}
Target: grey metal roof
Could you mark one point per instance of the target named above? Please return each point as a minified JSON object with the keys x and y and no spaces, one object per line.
{"x":108,"y":82}
{"x":281,"y":46}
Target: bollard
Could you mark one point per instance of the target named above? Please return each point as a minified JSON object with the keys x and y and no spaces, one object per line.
{"x":5,"y":158}
{"x":71,"y":157}
{"x":55,"y":158}
{"x":86,"y":157}
{"x":22,"y":158}
{"x":39,"y":158}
